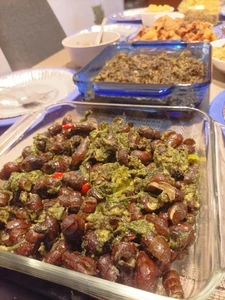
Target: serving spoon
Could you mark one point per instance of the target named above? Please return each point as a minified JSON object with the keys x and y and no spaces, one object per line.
{"x":100,"y":33}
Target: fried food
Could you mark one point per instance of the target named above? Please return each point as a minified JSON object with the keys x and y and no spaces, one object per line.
{"x":158,"y":8}
{"x":219,"y":52}
{"x":166,"y":28}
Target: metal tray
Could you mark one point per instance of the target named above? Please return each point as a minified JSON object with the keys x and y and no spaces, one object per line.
{"x":202,"y":269}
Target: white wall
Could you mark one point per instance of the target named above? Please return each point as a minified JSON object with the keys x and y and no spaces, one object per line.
{"x":4,"y":66}
{"x":73,"y":15}
{"x":77,"y":14}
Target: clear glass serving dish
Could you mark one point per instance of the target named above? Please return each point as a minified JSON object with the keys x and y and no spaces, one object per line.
{"x":207,"y":11}
{"x":201,"y":271}
{"x":153,"y":94}
{"x":219,"y":162}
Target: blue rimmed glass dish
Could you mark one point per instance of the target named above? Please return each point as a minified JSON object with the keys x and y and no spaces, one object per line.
{"x":151,"y":94}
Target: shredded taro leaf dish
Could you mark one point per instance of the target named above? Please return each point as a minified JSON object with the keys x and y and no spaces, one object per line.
{"x":153,"y":69}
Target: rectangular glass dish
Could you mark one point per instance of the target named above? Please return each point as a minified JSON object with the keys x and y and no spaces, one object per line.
{"x":208,"y":12}
{"x":201,"y":270}
{"x":151,"y":94}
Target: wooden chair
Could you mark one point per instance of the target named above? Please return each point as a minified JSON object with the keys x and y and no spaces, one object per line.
{"x":32,"y":30}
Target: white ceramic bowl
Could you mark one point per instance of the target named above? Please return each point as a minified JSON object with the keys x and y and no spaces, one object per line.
{"x":173,"y":15}
{"x":148,"y":18}
{"x":218,"y":63}
{"x":82,"y":49}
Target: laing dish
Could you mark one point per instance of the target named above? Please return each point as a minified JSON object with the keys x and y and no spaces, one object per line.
{"x":153,"y":69}
{"x":202,"y":258}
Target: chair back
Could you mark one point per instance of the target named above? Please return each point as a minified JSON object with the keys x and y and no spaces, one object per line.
{"x":29,"y":32}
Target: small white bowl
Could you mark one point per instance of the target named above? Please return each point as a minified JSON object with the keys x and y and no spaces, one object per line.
{"x":173,"y":15}
{"x":148,"y":18}
{"x":82,"y":49}
{"x":218,"y":63}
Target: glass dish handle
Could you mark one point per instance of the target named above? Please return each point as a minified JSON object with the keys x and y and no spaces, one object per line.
{"x":160,"y":44}
{"x":150,"y":90}
{"x":15,"y":132}
{"x":219,"y":167}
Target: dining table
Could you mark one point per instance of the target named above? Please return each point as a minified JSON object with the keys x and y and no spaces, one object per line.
{"x":46,"y":290}
{"x":62,"y":59}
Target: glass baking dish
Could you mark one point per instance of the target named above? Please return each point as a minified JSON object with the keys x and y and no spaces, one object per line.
{"x":151,"y":94}
{"x":219,"y":160}
{"x":200,"y":11}
{"x":201,"y":271}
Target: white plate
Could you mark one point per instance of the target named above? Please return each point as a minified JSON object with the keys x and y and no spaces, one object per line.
{"x":123,"y":29}
{"x":130,"y":15}
{"x":24,"y":91}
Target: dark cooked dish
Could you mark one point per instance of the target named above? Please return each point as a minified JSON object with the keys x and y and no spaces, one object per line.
{"x":109,"y":200}
{"x":153,"y":69}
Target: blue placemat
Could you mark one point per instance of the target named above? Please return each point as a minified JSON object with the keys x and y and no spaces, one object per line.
{"x":216,"y":108}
